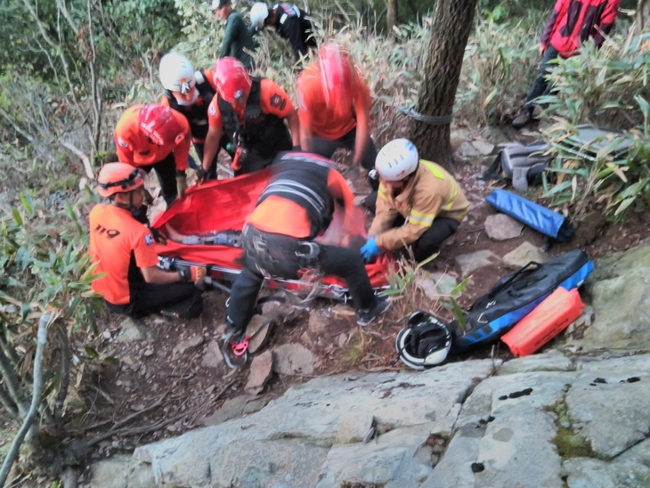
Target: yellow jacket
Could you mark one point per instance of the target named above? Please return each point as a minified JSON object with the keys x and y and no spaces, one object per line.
{"x":432,"y":192}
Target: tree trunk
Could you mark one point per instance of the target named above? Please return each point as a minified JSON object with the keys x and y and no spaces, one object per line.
{"x":391,"y":16}
{"x":443,"y":61}
{"x":642,"y":15}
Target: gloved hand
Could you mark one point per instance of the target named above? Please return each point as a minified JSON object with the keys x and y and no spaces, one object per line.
{"x":201,"y":176}
{"x":192,"y":273}
{"x":370,"y":249}
{"x":158,"y":237}
{"x":181,"y":185}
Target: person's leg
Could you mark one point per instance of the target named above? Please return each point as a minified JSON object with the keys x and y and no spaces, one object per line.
{"x":369,"y":156}
{"x":252,"y":162}
{"x":166,"y":172}
{"x":370,"y":202}
{"x":148,"y":298}
{"x":243,"y":297}
{"x":325,"y":147}
{"x":539,"y":88}
{"x":429,"y":243}
{"x":348,"y":264}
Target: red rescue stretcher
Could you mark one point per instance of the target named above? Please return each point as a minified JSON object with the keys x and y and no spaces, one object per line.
{"x":223,"y":205}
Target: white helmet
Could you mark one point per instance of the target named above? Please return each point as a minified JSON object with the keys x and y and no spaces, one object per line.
{"x":177,"y":73}
{"x":425,"y":341}
{"x":397,"y":160}
{"x":259,"y":13}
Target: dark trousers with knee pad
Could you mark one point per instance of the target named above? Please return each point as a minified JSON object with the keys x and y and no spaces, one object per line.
{"x":166,"y":173}
{"x":327,"y":147}
{"x":274,"y":255}
{"x":181,"y":299}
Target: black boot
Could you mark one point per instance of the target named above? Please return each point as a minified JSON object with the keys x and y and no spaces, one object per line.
{"x":524,"y":118}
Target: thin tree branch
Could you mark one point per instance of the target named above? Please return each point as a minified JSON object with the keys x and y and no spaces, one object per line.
{"x":84,"y":159}
{"x":13,"y":385}
{"x":41,"y":339}
{"x":97,"y":99}
{"x":7,"y":402}
{"x":64,"y":381}
{"x":64,"y":10}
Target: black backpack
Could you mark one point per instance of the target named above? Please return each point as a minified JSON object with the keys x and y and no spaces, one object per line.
{"x":515,"y":295}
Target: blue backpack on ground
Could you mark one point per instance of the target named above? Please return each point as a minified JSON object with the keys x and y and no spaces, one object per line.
{"x":515,"y":295}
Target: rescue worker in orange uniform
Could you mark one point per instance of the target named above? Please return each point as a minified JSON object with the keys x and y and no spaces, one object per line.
{"x":189,"y":92}
{"x":123,"y":249}
{"x":334,"y":108}
{"x":419,"y":204}
{"x":154,"y":136}
{"x":253,"y":113}
{"x":278,"y":241}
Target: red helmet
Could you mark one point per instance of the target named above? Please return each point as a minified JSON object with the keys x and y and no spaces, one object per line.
{"x":159,"y":124}
{"x":118,"y":178}
{"x":337,"y":74}
{"x":232,"y":80}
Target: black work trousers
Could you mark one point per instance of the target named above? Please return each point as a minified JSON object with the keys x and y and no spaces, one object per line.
{"x":258,"y":259}
{"x":327,"y":147}
{"x":540,"y":85}
{"x":166,"y":173}
{"x":148,"y":298}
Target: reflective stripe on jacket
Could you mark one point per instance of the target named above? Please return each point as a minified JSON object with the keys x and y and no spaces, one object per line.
{"x":431,"y":193}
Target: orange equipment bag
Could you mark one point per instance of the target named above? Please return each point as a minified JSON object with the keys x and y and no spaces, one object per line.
{"x":547,"y":320}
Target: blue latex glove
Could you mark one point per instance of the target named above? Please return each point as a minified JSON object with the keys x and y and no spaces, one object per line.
{"x":369,"y":250}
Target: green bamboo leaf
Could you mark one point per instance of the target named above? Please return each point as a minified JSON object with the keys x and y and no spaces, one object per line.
{"x":559,"y":188}
{"x":17,"y":217}
{"x":624,"y":204}
{"x":90,"y":352}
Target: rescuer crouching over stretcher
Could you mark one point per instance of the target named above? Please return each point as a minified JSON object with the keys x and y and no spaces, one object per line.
{"x":122,"y":248}
{"x":278,"y":241}
{"x":419,"y":204}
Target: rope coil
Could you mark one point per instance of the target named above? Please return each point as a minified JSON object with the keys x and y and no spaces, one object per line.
{"x":427,"y":119}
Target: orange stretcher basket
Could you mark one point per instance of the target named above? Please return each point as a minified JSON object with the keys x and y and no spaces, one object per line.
{"x":544,"y":322}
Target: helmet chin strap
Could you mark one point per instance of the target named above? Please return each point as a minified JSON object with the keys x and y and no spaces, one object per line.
{"x":187,"y":103}
{"x":136,"y":212}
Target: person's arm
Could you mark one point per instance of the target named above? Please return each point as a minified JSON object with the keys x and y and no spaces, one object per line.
{"x":304,"y":121}
{"x":211,"y":147}
{"x":606,"y":22}
{"x":294,"y":127}
{"x":228,"y":37}
{"x":362,"y":113}
{"x":274,"y":100}
{"x":424,"y":211}
{"x":551,"y":25}
{"x":213,"y":137}
{"x":182,"y":149}
{"x":353,"y":220}
{"x":385,"y":213}
{"x":146,"y":259}
{"x":124,"y":149}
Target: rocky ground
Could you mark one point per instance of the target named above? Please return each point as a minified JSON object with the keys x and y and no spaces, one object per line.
{"x":162,"y":377}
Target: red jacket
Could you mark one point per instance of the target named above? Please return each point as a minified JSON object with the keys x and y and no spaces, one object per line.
{"x":574,"y":21}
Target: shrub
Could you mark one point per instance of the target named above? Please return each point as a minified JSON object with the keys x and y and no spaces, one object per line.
{"x":607,"y":88}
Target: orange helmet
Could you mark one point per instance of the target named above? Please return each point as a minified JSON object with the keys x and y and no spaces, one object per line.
{"x":159,"y":124}
{"x":337,"y":75}
{"x":118,"y":178}
{"x":232,"y":80}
